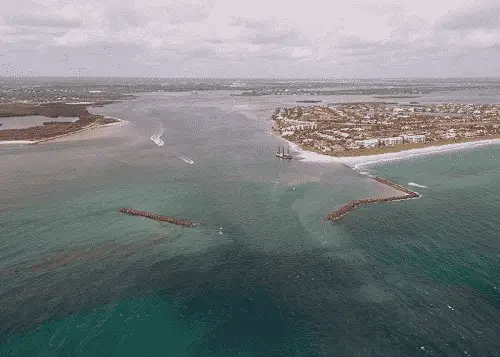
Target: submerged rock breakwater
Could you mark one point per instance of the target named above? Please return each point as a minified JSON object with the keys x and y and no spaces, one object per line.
{"x":157,"y":217}
{"x":351,"y":205}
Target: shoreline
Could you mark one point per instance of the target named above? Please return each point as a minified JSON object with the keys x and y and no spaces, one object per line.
{"x":356,"y":162}
{"x":362,"y":132}
{"x":85,"y":128}
{"x":52,"y":130}
{"x":309,"y":156}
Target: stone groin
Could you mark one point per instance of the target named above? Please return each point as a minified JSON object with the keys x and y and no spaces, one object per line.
{"x":351,"y":205}
{"x":157,"y":217}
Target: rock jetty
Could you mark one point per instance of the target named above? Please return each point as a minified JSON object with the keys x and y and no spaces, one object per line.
{"x":157,"y":217}
{"x":351,"y":205}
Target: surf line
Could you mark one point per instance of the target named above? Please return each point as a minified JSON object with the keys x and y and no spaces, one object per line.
{"x":416,"y":185}
{"x":351,"y":205}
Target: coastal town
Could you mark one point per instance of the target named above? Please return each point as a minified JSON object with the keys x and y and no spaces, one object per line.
{"x":352,"y":129}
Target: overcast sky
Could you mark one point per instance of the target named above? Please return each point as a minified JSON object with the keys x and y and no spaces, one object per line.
{"x":254,"y":38}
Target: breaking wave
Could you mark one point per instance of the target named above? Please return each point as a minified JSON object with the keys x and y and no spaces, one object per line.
{"x":416,"y":185}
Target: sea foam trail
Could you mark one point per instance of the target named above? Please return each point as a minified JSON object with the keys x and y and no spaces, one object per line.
{"x":156,"y":138}
{"x":186,"y":159}
{"x":416,"y":185}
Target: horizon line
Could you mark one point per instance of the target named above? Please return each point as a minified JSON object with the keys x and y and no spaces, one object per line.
{"x":248,"y":78}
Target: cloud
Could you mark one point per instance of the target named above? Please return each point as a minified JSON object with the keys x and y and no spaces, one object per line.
{"x":197,"y":53}
{"x":259,"y":38}
{"x":249,"y":23}
{"x":179,"y":13}
{"x":44,"y":21}
{"x":486,"y":17}
{"x":285,"y":37}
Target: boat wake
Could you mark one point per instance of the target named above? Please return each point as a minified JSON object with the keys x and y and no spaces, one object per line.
{"x":416,"y":185}
{"x":186,"y":159}
{"x":156,"y":138}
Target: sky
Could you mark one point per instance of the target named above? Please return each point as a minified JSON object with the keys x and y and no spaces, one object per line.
{"x":250,"y":39}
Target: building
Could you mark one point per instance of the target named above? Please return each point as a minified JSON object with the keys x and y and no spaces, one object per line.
{"x":392,"y":141}
{"x":368,"y":143}
{"x":414,"y":138}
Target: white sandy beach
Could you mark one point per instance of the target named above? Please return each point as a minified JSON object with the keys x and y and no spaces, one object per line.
{"x":90,"y":132}
{"x":9,"y":142}
{"x":358,"y":161}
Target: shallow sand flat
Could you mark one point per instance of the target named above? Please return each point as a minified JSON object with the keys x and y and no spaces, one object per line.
{"x":94,"y":132}
{"x":380,"y":189}
{"x":87,"y":133}
{"x":292,"y":180}
{"x":385,"y":191}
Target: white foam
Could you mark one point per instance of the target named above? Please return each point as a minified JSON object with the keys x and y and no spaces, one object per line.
{"x":119,"y":122}
{"x":156,"y":137}
{"x":416,"y":185}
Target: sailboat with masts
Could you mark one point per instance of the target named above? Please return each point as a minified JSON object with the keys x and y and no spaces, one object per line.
{"x":278,"y":153}
{"x":281,"y":153}
{"x":287,"y":155}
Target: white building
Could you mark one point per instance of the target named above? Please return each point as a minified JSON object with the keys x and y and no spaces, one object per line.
{"x":392,"y":141}
{"x":414,"y":138}
{"x":368,"y":143}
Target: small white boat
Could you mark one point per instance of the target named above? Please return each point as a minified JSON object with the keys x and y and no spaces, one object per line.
{"x":186,"y":159}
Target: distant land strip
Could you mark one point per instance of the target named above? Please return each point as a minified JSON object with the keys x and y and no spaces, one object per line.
{"x":51,"y":129}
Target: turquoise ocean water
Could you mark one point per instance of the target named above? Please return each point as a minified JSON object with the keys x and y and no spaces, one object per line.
{"x":413,"y":278}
